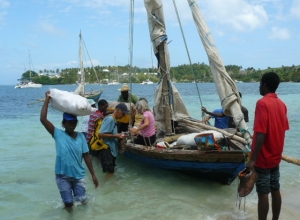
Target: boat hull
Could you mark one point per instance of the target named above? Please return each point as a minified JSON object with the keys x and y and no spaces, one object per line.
{"x":219,"y":166}
{"x":95,"y":95}
{"x":31,"y":86}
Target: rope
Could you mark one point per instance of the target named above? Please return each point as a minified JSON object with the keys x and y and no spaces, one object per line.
{"x":90,"y":60}
{"x":203,"y":115}
{"x":187,"y":51}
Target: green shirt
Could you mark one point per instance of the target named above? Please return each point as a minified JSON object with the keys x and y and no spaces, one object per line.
{"x":134,"y":99}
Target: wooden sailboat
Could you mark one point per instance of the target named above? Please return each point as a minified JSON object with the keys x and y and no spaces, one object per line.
{"x":173,"y":119}
{"x":80,"y":90}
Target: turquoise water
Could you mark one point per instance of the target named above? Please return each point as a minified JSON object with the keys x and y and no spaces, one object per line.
{"x":136,"y":191}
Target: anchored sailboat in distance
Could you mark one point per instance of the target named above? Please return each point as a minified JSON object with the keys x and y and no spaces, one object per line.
{"x":27,"y":83}
{"x":115,"y":82}
{"x":95,"y":95}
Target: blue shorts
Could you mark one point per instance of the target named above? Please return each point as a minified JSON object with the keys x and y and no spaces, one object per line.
{"x":268,"y":180}
{"x":69,"y":186}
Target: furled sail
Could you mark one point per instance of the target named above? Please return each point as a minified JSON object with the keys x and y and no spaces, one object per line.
{"x":227,"y":90}
{"x":168,"y":104}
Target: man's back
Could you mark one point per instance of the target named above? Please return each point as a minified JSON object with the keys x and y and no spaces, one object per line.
{"x":220,"y":122}
{"x":271,"y":120}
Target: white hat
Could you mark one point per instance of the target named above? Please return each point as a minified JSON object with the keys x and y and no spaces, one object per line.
{"x":124,"y":88}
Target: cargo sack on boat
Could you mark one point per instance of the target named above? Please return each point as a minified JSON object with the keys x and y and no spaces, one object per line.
{"x":71,"y":103}
{"x":96,"y":143}
{"x":206,"y":142}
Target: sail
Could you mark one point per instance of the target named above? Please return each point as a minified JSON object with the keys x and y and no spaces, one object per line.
{"x":226,"y":87}
{"x":168,"y":104}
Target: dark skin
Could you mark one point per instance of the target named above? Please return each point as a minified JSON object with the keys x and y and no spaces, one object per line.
{"x":263,"y":199}
{"x":211,"y":114}
{"x":70,"y":130}
{"x":103,"y":109}
{"x":125,"y":95}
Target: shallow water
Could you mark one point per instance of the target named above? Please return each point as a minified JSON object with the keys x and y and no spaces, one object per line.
{"x":136,"y":191}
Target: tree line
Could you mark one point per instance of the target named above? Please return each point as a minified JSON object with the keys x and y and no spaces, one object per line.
{"x":199,"y":72}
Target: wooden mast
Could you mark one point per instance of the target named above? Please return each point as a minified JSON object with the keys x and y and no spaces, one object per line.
{"x":82,"y":74}
{"x":165,"y":87}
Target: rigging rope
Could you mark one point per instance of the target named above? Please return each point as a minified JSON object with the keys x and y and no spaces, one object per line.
{"x":91,"y":61}
{"x":174,"y":3}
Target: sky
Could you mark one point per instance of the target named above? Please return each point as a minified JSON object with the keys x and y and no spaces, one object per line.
{"x":247,"y":33}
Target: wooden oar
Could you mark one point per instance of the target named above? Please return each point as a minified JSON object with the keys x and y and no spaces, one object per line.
{"x":291,"y":160}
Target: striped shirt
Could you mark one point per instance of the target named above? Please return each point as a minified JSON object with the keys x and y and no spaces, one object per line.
{"x":91,"y":127}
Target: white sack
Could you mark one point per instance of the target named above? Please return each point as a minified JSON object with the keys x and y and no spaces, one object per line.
{"x":71,"y":103}
{"x":189,"y":138}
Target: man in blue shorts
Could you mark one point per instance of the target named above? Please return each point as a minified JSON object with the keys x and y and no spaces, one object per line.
{"x":71,"y":148}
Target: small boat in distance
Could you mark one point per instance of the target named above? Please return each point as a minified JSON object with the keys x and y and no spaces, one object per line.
{"x":114,"y":83}
{"x":27,"y":83}
{"x":236,"y":81}
{"x":147,"y":82}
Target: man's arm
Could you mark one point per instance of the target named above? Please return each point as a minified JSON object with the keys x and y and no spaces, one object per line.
{"x":213,"y":113}
{"x":88,"y":162}
{"x":260,"y":139}
{"x":245,"y":113}
{"x":109,"y":135}
{"x":43,"y":117}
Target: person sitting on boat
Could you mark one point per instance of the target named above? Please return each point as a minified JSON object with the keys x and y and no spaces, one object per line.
{"x":221,"y":120}
{"x":86,"y":118}
{"x":137,"y":116}
{"x":71,"y":149}
{"x":231,"y":123}
{"x":124,"y":96}
{"x":111,"y":137}
{"x":146,"y":129}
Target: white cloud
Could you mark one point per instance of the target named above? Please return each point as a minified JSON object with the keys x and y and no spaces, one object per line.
{"x":279,"y":33}
{"x":3,"y":5}
{"x":51,"y":29}
{"x":239,"y":14}
{"x":295,"y":8}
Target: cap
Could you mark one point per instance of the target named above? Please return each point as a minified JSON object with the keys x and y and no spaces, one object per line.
{"x":124,"y":88}
{"x":123,"y":108}
{"x":91,"y":101}
{"x":69,"y":117}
